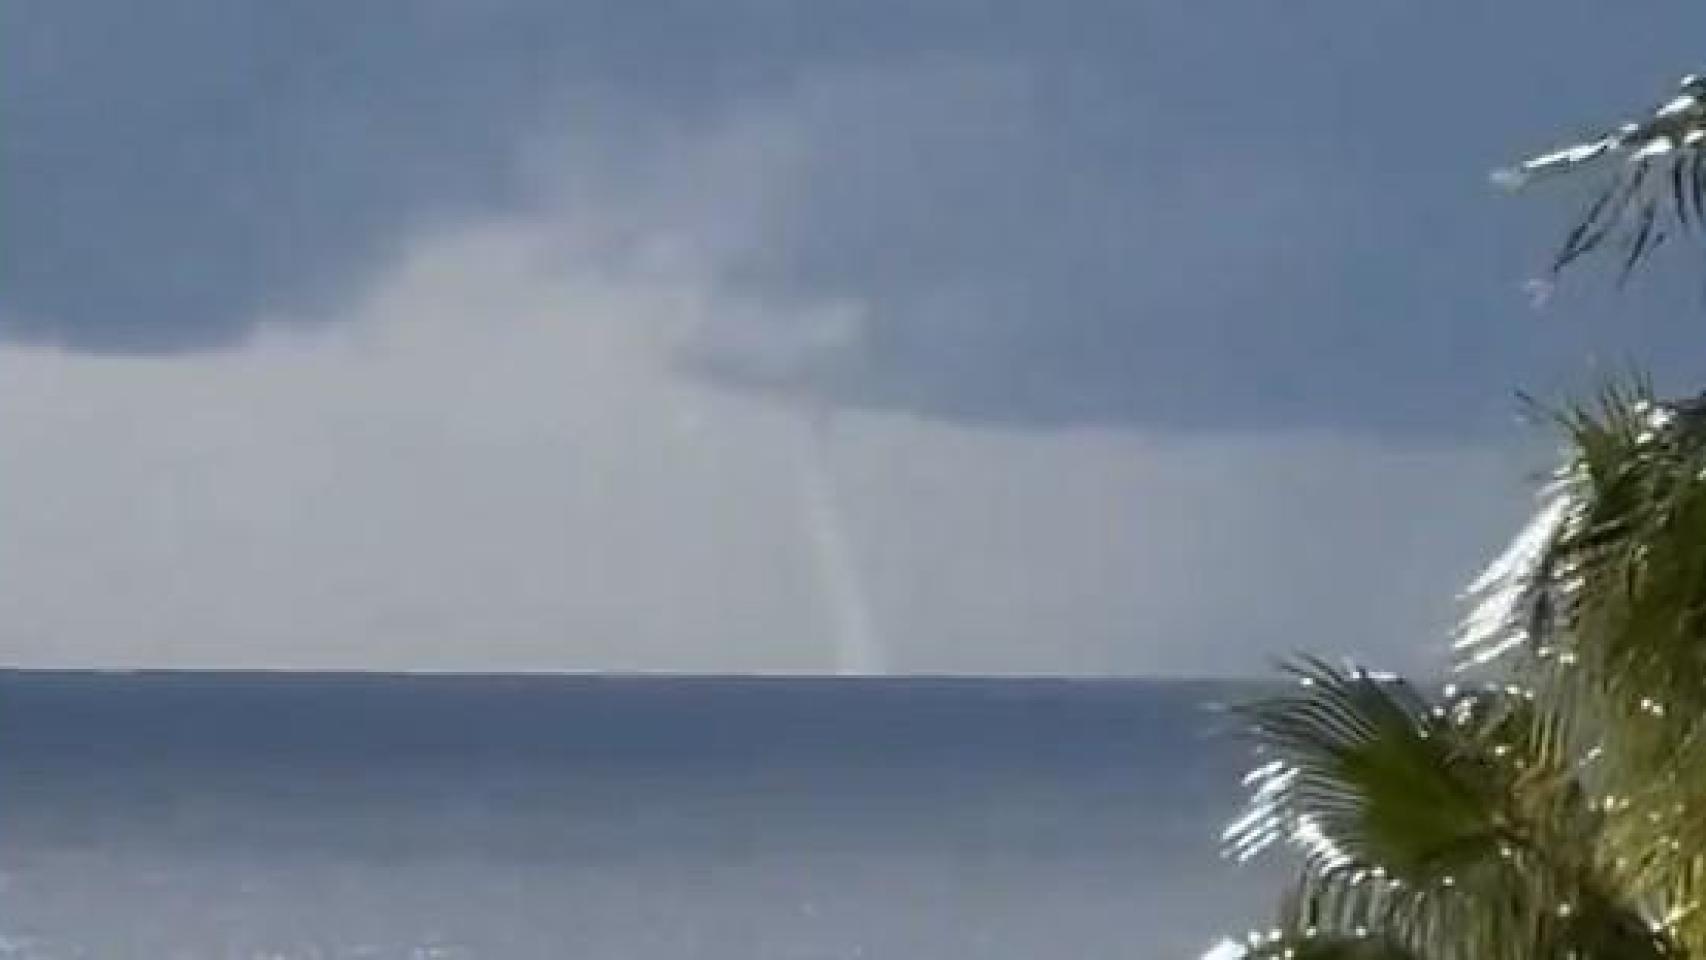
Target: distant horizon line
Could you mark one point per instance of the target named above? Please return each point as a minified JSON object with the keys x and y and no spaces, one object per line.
{"x":707,"y":676}
{"x":619,"y":676}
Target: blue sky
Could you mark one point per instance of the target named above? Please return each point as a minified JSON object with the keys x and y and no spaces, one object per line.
{"x":1153,"y":337}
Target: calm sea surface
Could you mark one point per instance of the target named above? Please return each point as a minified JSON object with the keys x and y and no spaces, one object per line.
{"x":296,"y":816}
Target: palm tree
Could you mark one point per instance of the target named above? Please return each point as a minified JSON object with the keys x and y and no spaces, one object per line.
{"x":1556,"y":807}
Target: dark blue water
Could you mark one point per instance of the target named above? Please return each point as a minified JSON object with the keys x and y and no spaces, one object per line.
{"x":291,"y":816}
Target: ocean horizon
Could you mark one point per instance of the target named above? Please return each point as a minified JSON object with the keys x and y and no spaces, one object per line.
{"x":212,"y":814}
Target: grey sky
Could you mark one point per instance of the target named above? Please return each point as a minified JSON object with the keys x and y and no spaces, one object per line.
{"x":444,"y":335}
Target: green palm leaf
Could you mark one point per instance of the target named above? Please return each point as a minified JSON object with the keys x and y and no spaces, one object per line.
{"x":1440,"y":830}
{"x":1604,"y":614}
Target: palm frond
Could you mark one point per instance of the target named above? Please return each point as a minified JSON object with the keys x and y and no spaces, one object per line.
{"x":1363,"y":771}
{"x":1278,"y":945}
{"x":1600,"y":608}
{"x":1609,"y":579}
{"x":1660,"y":181}
{"x":1443,"y":829}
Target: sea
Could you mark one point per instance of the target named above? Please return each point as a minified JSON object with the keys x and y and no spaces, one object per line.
{"x":193,"y":816}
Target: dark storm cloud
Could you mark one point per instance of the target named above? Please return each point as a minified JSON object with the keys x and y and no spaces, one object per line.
{"x":1205,"y":215}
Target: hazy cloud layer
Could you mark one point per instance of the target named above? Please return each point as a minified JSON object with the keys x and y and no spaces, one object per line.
{"x":761,"y":336}
{"x":492,"y":462}
{"x":1220,"y":215}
